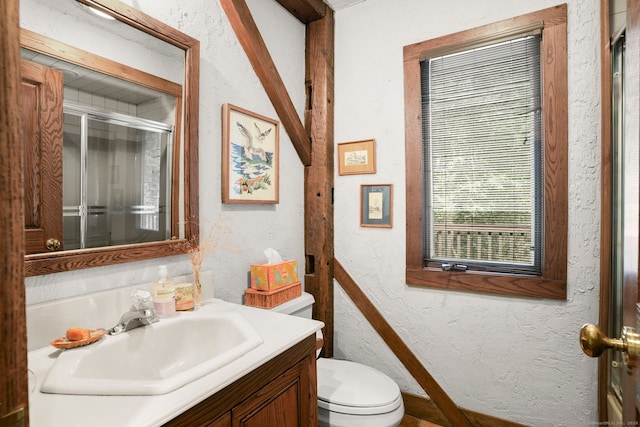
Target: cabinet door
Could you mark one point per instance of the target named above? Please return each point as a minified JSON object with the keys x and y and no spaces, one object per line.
{"x":282,"y":403}
{"x":41,"y":97}
{"x":223,"y":421}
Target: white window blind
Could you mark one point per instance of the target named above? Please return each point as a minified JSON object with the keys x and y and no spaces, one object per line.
{"x":482,"y":145}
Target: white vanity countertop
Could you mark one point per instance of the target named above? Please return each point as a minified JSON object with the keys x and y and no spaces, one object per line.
{"x":278,"y":331}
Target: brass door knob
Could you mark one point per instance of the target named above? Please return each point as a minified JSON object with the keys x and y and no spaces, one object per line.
{"x":594,"y":342}
{"x":53,"y":244}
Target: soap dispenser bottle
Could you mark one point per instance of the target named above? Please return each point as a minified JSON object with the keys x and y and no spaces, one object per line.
{"x":164,"y":294}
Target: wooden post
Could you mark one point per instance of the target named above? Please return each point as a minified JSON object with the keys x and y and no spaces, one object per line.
{"x":319,"y":175}
{"x":305,"y":10}
{"x":14,"y":398}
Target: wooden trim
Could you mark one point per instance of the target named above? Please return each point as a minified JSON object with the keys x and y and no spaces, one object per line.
{"x":251,"y":40}
{"x":305,"y":10}
{"x":66,"y":261}
{"x":175,"y":170}
{"x":413,"y":156}
{"x":631,"y":209}
{"x":47,"y":263}
{"x":552,"y":284}
{"x":547,"y":17}
{"x":423,"y":408}
{"x":606,"y":202}
{"x":14,"y":397}
{"x":57,"y":49}
{"x":191,"y":136}
{"x":499,"y":284}
{"x":143,"y":22}
{"x":400,"y":349}
{"x":556,"y":152}
{"x":318,"y":177}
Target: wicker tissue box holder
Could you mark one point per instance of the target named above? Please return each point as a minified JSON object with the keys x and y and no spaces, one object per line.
{"x":269,"y":299}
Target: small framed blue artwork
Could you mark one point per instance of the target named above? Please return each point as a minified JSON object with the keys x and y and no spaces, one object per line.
{"x":376,"y":205}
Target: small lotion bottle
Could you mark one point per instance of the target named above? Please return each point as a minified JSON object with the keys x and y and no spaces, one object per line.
{"x":164,"y":294}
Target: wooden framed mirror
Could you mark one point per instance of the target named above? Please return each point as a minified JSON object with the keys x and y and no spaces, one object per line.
{"x":182,"y":199}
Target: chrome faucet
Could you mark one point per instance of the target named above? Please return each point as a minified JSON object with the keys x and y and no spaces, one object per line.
{"x":141,"y":313}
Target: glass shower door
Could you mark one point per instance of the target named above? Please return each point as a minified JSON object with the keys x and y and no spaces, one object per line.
{"x":117,"y":180}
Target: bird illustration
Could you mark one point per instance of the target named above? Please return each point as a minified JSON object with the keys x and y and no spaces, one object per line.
{"x":262,"y":135}
{"x":249,"y":151}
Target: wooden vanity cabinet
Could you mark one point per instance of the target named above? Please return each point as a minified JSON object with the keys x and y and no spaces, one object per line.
{"x":282,"y":393}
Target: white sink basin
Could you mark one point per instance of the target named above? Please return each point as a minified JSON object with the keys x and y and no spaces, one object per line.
{"x":154,"y":359}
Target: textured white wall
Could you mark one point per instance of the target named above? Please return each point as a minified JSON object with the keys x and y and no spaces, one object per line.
{"x":513,"y":358}
{"x":226,"y":76}
{"x":509,"y":357}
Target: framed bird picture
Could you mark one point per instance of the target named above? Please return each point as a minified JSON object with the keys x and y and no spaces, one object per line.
{"x":250,"y":157}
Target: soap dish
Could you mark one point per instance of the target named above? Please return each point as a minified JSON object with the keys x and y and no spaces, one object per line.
{"x":94,"y":336}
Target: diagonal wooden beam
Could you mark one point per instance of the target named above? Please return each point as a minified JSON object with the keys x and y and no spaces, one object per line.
{"x":442,"y":400}
{"x":251,"y":40}
{"x":423,"y":408}
{"x":305,"y":10}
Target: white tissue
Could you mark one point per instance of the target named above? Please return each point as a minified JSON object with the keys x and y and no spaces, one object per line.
{"x":273,"y":257}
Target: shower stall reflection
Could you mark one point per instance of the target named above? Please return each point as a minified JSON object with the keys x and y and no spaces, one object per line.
{"x":116,"y":179}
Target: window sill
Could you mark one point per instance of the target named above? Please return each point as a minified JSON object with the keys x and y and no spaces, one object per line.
{"x":492,"y":283}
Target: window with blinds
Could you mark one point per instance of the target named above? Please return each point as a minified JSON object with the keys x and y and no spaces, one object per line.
{"x":482,"y":157}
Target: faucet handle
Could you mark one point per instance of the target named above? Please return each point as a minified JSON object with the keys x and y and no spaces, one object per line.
{"x":119,"y":328}
{"x":142,"y":300}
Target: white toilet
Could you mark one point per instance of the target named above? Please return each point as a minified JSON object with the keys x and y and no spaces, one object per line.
{"x":350,"y":394}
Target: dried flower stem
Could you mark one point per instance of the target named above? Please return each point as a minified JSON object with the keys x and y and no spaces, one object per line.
{"x":200,"y":249}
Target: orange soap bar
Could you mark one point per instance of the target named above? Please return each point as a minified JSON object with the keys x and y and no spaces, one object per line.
{"x":77,"y":334}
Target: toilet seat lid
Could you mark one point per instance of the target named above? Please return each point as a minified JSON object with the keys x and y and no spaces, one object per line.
{"x":351,"y":387}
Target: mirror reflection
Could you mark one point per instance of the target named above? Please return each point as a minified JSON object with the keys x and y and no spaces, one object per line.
{"x":109,"y":165}
{"x":117,"y":156}
{"x":101,"y":153}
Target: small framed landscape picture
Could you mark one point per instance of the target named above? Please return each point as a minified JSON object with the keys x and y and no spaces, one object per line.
{"x":250,"y":157}
{"x":376,"y":205}
{"x":357,"y":157}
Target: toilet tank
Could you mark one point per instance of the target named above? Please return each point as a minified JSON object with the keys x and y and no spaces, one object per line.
{"x":301,"y":306}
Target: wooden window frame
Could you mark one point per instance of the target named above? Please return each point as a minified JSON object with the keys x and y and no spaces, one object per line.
{"x":552,"y":283}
